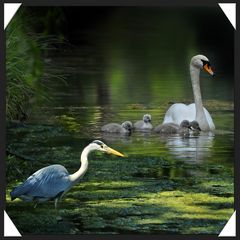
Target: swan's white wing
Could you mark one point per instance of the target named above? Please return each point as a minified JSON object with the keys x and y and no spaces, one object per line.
{"x":209,"y":119}
{"x":179,"y":112}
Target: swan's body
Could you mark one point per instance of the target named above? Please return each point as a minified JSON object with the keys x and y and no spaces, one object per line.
{"x":184,"y":129}
{"x":195,"y":111}
{"x":167,"y":128}
{"x":173,"y":128}
{"x":125,"y":127}
{"x":144,"y":124}
{"x":179,"y":112}
{"x":52,"y":182}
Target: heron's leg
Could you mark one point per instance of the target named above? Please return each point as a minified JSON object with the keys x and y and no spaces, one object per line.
{"x":35,"y":202}
{"x":58,"y":197}
{"x":58,"y":217}
{"x":56,"y":202}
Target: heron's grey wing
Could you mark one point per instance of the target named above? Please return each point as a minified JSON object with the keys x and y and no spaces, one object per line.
{"x":47,"y":182}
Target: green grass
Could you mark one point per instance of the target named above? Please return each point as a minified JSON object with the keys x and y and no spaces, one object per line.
{"x":24,"y":66}
{"x":26,"y":71}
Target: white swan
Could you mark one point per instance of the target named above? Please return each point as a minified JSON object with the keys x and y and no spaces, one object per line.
{"x":195,"y":111}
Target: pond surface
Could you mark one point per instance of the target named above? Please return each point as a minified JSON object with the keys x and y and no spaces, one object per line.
{"x":166,"y":184}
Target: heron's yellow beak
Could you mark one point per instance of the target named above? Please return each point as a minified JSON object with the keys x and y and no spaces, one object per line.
{"x":112,"y":151}
{"x":208,"y":69}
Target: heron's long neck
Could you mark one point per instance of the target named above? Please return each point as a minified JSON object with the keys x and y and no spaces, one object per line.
{"x":200,"y":115}
{"x":75,"y":177}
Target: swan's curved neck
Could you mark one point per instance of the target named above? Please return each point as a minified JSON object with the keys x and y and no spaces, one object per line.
{"x":75,"y":177}
{"x":200,"y":115}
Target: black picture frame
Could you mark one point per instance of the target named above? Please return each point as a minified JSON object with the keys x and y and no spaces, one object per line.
{"x":123,"y":3}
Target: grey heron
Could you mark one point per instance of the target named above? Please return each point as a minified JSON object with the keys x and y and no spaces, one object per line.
{"x":144,"y":124}
{"x":125,"y":127}
{"x":52,"y":182}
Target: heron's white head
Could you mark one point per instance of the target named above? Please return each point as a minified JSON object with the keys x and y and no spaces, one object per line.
{"x":201,"y":62}
{"x":147,"y":118}
{"x":100,"y":146}
{"x":127,"y":125}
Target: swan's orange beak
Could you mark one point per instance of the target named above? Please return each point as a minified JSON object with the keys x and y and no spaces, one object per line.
{"x":208,"y":69}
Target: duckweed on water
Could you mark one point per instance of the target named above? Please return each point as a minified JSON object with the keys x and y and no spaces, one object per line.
{"x":136,"y":194}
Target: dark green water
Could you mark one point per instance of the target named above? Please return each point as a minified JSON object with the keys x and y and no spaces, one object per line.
{"x":165,"y":184}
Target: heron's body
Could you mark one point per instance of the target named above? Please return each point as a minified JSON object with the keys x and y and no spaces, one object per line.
{"x":195,"y":111}
{"x":52,"y":182}
{"x":47,"y":183}
{"x":144,"y":124}
{"x":125,"y":127}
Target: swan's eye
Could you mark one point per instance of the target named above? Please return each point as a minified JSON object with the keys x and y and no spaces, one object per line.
{"x":206,"y":63}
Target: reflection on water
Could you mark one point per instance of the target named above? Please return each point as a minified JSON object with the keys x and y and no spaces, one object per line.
{"x":191,"y":149}
{"x":133,"y":57}
{"x":206,"y":147}
{"x":113,"y":137}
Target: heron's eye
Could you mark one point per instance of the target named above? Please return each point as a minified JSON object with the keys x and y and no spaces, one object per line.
{"x":101,"y":146}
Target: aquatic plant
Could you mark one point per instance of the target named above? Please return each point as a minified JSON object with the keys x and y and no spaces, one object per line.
{"x":23,"y":67}
{"x":27,"y":68}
